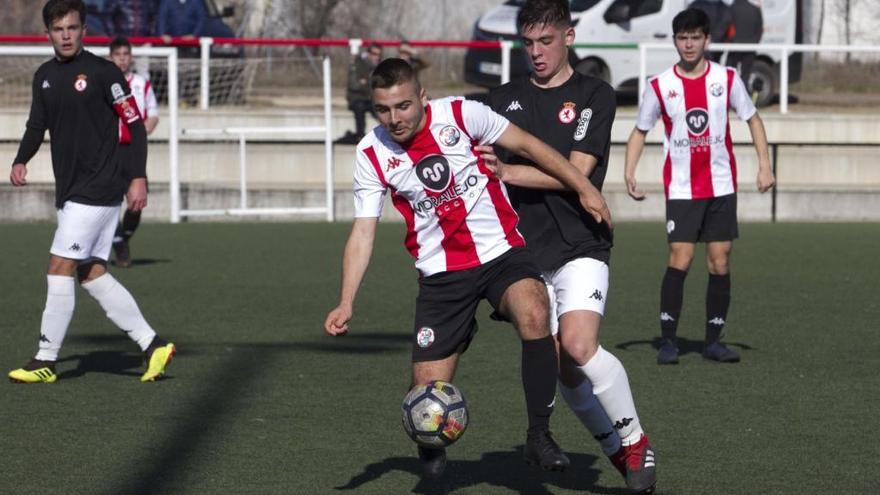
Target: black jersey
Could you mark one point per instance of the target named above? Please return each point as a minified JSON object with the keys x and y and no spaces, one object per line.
{"x":575,"y":116}
{"x":86,"y":105}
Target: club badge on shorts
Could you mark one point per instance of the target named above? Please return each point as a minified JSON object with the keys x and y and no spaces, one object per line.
{"x":80,"y":84}
{"x":567,"y":113}
{"x":425,"y":337}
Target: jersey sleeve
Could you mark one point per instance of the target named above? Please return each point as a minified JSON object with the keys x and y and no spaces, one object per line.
{"x":369,"y":190}
{"x":482,"y":123}
{"x":740,"y":100}
{"x":118,"y":94}
{"x":131,"y":128}
{"x":593,"y":130}
{"x":649,"y":111}
{"x":35,"y":129}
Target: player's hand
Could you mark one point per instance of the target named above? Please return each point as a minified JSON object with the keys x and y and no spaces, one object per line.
{"x":631,"y":189}
{"x":496,"y":166}
{"x":137,"y":194}
{"x":595,"y":205}
{"x":765,"y":179}
{"x":18,"y":175}
{"x":337,"y":320}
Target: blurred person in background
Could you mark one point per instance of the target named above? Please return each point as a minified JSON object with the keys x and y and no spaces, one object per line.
{"x":148,"y":107}
{"x":408,"y":53}
{"x":748,"y":24}
{"x":357,"y":91}
{"x":132,"y":17}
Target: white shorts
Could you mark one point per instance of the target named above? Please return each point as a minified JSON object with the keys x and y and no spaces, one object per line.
{"x":581,"y":284}
{"x":85,"y":232}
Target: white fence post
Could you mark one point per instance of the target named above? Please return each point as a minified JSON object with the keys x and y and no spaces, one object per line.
{"x":205,"y":79}
{"x":506,"y":47}
{"x":173,"y":131}
{"x":328,"y":143}
{"x":783,"y":81}
{"x":354,"y":46}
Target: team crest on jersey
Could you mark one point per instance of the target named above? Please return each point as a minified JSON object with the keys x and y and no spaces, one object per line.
{"x":567,"y":113}
{"x":697,"y":120}
{"x":583,"y":122}
{"x":80,"y":84}
{"x":434,"y":172}
{"x":425,"y":337}
{"x":449,"y":136}
{"x":716,"y":89}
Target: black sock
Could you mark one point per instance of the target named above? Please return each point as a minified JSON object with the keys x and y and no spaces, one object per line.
{"x":671,"y":295}
{"x":130,"y":222}
{"x":540,"y":367}
{"x":717,"y":302}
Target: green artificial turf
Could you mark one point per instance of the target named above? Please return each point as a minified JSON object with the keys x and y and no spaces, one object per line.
{"x":259,"y":400}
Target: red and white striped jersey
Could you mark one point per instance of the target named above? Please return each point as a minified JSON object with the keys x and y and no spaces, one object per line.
{"x":457,"y":214}
{"x":143,"y":95}
{"x":699,"y":151}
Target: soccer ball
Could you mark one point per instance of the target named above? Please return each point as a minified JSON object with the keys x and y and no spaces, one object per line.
{"x":435,"y":414}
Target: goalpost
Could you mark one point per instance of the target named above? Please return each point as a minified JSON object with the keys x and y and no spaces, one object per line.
{"x":34,"y":55}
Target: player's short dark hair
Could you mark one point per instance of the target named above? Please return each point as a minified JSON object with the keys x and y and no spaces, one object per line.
{"x":374,"y":45}
{"x":120,"y":42}
{"x":690,"y":19}
{"x":548,"y":12}
{"x":391,"y":72}
{"x":56,"y":9}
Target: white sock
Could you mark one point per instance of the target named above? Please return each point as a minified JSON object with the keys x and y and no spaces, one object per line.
{"x":60,"y":301}
{"x":121,"y":308}
{"x":611,"y":386}
{"x":584,"y":404}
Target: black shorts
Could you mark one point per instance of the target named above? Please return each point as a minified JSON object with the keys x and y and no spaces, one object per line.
{"x":447,"y":303}
{"x":701,"y":220}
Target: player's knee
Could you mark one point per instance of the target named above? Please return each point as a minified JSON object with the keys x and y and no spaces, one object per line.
{"x":581,"y":350}
{"x":718,"y":265}
{"x":533,"y":322}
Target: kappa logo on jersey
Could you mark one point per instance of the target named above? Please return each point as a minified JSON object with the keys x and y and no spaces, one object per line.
{"x":697,"y":120}
{"x":597,"y":295}
{"x":671,"y":94}
{"x":583,"y":122}
{"x":425,"y":337}
{"x":393,"y":163}
{"x":46,"y":84}
{"x":716,"y":89}
{"x":567,"y":113}
{"x":449,"y":136}
{"x":75,"y":247}
{"x":80,"y":84}
{"x":514,"y":105}
{"x":433,"y":171}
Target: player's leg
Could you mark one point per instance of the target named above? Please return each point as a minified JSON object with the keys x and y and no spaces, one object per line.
{"x":443,"y":329}
{"x":718,"y":232}
{"x":581,"y":293}
{"x":683,"y":221}
{"x":74,"y":238}
{"x":117,"y":302}
{"x":577,"y":391}
{"x":124,"y":231}
{"x":514,"y":287}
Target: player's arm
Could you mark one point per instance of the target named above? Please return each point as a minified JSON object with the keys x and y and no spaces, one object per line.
{"x":531,"y":177}
{"x":550,"y":161}
{"x":766,"y":180}
{"x":355,"y":259}
{"x":118,"y":95}
{"x":152,"y":110}
{"x":35,"y":131}
{"x":742,"y":103}
{"x":634,"y":147}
